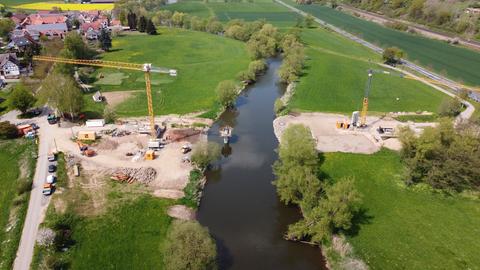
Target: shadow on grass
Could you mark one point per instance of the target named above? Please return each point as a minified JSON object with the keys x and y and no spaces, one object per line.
{"x":92,"y":115}
{"x":361,"y":217}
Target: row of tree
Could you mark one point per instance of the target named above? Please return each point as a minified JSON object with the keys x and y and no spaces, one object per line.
{"x":142,"y":24}
{"x":444,"y":157}
{"x":293,"y":58}
{"x":326,"y":208}
{"x":449,"y":15}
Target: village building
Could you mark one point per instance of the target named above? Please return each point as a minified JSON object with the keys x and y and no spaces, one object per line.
{"x":9,"y":66}
{"x":49,"y":30}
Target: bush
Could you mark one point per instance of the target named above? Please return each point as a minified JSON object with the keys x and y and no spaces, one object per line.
{"x":192,"y":189}
{"x":110,"y":115}
{"x":8,"y":130}
{"x":392,"y":55}
{"x":397,"y":26}
{"x":189,"y":246}
{"x":278,"y":106}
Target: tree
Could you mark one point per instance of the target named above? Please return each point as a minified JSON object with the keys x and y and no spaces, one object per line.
{"x":257,"y":67}
{"x":214,"y":26}
{"x":21,"y":98}
{"x":142,"y":24}
{"x":263,"y":43}
{"x":61,"y":92}
{"x":392,"y":55}
{"x":227,"y":93}
{"x":178,"y":19}
{"x":334,"y":212}
{"x":74,"y":46}
{"x":150,"y":29}
{"x":6,"y":26}
{"x":8,"y":130}
{"x":444,"y":157}
{"x":415,"y":10}
{"x":296,"y":168}
{"x":451,"y":107}
{"x":205,"y":153}
{"x":189,"y":246}
{"x":237,"y":32}
{"x":309,"y":21}
{"x":132,"y":20}
{"x":105,"y":40}
{"x":163,"y":17}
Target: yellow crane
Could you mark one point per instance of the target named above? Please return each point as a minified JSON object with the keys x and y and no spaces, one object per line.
{"x":146,"y":68}
{"x":363,"y":114}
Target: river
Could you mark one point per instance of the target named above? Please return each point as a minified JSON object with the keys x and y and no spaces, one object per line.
{"x":239,"y":205}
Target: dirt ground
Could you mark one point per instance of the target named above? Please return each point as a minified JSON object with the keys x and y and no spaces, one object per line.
{"x":331,"y":139}
{"x":117,"y":97}
{"x":171,"y":172}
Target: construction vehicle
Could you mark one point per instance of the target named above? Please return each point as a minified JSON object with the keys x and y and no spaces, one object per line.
{"x":147,"y":69}
{"x":84,"y":150}
{"x":150,"y":155}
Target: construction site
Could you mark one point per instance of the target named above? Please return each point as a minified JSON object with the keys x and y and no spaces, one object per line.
{"x":121,"y":151}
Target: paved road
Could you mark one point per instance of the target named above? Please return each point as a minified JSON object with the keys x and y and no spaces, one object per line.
{"x":38,"y":203}
{"x":452,"y":85}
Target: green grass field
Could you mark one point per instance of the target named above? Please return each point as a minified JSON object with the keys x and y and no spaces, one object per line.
{"x":336,"y":76}
{"x":456,"y":62}
{"x":404,"y":228}
{"x":202,"y":61}
{"x":130,"y":236}
{"x":17,"y":164}
{"x":259,"y":9}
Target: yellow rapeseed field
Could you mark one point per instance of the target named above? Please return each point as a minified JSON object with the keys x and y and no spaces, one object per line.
{"x":63,"y":6}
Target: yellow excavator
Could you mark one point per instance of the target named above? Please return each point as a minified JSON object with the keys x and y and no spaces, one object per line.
{"x":147,"y":69}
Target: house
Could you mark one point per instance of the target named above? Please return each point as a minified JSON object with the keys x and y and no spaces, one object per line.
{"x":18,"y":18}
{"x":44,"y":18}
{"x":19,"y":44}
{"x":17,"y":33}
{"x":50,"y":30}
{"x":9,"y":66}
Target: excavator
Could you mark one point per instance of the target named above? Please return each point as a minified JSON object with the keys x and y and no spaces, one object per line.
{"x":146,"y":68}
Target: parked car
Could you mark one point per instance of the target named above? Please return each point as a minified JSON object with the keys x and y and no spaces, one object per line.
{"x":52,"y":168}
{"x":34,"y":126}
{"x":51,"y":156}
{"x":47,"y":189}
{"x":51,"y":179}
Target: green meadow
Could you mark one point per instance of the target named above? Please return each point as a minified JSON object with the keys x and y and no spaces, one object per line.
{"x":201,"y":59}
{"x":406,"y":228}
{"x":455,"y":62}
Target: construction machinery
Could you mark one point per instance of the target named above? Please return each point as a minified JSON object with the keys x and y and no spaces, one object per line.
{"x":147,"y":69}
{"x":84,"y":149}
